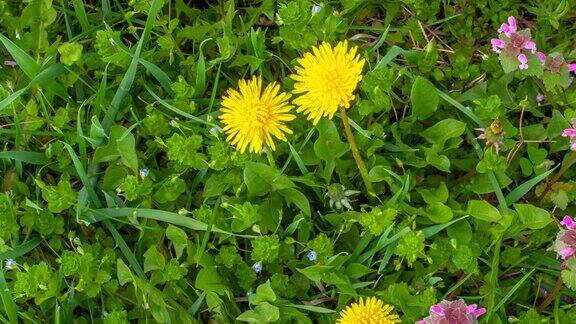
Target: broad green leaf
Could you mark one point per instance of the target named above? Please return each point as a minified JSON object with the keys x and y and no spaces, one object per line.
{"x":209,"y":280}
{"x":153,"y":259}
{"x":261,"y":179}
{"x":482,"y":210}
{"x":264,"y":293}
{"x":315,"y":272}
{"x":533,"y":217}
{"x":424,"y":98}
{"x":569,"y":279}
{"x":123,"y":272}
{"x":431,"y":196}
{"x":296,"y":197}
{"x":178,"y":238}
{"x":329,"y":146}
{"x":444,"y":130}
{"x":439,"y":213}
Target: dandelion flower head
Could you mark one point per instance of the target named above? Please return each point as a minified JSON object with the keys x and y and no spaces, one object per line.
{"x":252,"y":117}
{"x":369,"y":311}
{"x":326,"y":79}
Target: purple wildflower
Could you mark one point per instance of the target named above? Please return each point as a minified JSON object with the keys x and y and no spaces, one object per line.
{"x":565,"y":244}
{"x":572,"y":67}
{"x":508,"y":28}
{"x":571,"y":132}
{"x":514,"y":43}
{"x":523,"y":61}
{"x":542,"y":57}
{"x":10,"y":63}
{"x":539,"y":98}
{"x":453,"y":312}
{"x":497,"y":45}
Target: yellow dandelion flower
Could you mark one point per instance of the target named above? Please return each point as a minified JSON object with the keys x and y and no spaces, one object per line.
{"x":326,"y":80}
{"x":370,"y":311}
{"x":252,"y":117}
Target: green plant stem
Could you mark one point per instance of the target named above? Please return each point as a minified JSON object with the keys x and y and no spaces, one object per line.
{"x":356,"y":153}
{"x":552,"y":294}
{"x":270,"y":157}
{"x":565,"y":166}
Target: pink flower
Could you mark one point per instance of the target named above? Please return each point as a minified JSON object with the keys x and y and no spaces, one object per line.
{"x":566,"y":253}
{"x":565,"y":244}
{"x":530,"y":45}
{"x":523,"y":61}
{"x":10,"y":63}
{"x":542,"y":57}
{"x":570,"y":132}
{"x":568,"y":222}
{"x":572,"y":67}
{"x":497,"y":44}
{"x":453,"y":312}
{"x":508,"y":28}
{"x":539,"y":98}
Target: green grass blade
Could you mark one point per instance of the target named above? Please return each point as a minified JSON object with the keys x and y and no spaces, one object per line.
{"x":156,"y":72}
{"x":105,"y":9}
{"x":96,"y":202}
{"x":15,"y":95}
{"x":98,"y":215}
{"x":178,"y":111}
{"x":42,"y":77}
{"x":458,"y":284}
{"x":21,"y":249}
{"x":26,"y":157}
{"x":25,"y":61}
{"x":465,"y":110}
{"x":200,"y":85}
{"x":31,"y":68}
{"x":10,"y":306}
{"x":128,"y":79}
{"x":390,"y":55}
{"x":524,"y":188}
{"x":128,"y":254}
{"x":434,"y":229}
{"x":81,"y":15}
{"x":315,"y":309}
{"x":83,"y":175}
{"x":297,"y":159}
{"x":512,"y":291}
{"x":101,"y":94}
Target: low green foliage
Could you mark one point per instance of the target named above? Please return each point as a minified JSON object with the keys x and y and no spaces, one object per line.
{"x":122,"y":199}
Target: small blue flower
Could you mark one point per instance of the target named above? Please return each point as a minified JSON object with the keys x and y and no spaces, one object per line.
{"x":257,"y":267}
{"x":10,"y":263}
{"x":312,"y":256}
{"x":214,"y":131}
{"x":316,"y":9}
{"x":144,"y":173}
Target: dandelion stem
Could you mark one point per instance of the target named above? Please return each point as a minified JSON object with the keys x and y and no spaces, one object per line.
{"x":565,"y":166}
{"x":356,"y":153}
